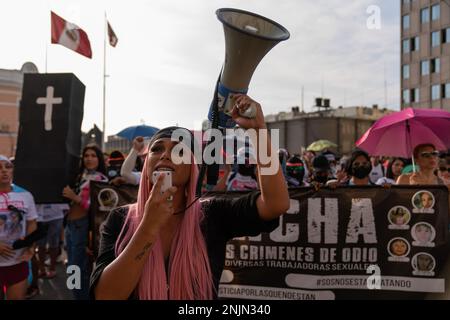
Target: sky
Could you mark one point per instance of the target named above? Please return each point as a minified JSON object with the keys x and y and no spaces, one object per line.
{"x":170,"y":52}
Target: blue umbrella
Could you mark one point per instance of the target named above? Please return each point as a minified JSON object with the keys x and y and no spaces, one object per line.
{"x":135,"y":131}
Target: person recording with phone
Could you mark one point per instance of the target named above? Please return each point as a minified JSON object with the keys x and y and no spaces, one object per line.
{"x":170,"y":245}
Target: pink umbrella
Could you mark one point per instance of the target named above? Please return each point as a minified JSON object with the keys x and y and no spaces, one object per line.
{"x":397,"y":134}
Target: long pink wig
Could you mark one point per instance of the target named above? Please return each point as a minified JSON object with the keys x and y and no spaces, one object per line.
{"x":190,"y":274}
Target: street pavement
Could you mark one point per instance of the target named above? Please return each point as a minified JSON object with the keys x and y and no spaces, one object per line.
{"x":56,"y":288}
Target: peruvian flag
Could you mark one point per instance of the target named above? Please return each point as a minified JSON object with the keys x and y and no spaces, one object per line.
{"x":70,"y":36}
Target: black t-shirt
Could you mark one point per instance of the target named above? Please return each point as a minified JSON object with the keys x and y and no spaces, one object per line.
{"x":226,"y":217}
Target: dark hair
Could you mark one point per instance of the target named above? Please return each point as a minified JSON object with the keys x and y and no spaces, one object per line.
{"x":399,"y":212}
{"x":101,"y":160}
{"x":355,"y":154}
{"x":389,"y":172}
{"x":419,"y":148}
{"x":283,"y":155}
{"x":247,"y":170}
{"x":117,"y":156}
{"x":321,"y":162}
{"x":17,"y":214}
{"x":295,"y":159}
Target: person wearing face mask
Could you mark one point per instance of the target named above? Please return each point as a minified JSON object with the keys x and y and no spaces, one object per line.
{"x":321,"y":171}
{"x":115,"y":163}
{"x":295,"y":170}
{"x":358,"y":169}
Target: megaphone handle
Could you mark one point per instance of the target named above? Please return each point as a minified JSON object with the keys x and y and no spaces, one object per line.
{"x":215,"y":125}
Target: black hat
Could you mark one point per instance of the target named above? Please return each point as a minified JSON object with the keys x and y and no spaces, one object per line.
{"x":181,"y":133}
{"x":116,"y":156}
{"x":320,"y":164}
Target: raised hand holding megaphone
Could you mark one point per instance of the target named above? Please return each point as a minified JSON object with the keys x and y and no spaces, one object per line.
{"x":240,"y":112}
{"x":248,"y":38}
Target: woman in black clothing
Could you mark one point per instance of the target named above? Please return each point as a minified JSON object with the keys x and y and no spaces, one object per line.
{"x":359,"y":168}
{"x":169,"y":246}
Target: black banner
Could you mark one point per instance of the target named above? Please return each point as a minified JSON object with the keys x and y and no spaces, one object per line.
{"x":348,"y":243}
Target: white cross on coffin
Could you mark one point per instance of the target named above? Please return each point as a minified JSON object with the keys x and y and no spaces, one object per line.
{"x":49,"y":101}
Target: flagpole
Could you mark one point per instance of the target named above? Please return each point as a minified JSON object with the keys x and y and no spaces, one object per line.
{"x":104,"y":85}
{"x":46,"y":56}
{"x":46,"y":44}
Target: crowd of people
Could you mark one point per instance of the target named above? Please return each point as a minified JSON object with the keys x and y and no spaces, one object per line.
{"x":169,"y":243}
{"x":430,"y":167}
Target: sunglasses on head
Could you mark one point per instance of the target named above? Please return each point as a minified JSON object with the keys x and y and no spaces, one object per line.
{"x":429,"y":154}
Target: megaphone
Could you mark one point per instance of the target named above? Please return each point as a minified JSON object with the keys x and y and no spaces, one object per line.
{"x":248,"y":38}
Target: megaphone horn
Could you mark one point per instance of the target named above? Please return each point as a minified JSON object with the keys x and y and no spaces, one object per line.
{"x":248,"y":38}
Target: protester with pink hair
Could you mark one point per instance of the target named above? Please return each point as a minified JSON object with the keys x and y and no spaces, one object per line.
{"x":172,"y":246}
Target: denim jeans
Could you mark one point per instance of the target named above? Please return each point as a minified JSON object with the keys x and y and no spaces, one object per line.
{"x":77,"y":240}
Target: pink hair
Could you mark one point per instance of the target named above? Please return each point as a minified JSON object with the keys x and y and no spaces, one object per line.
{"x":190,"y":274}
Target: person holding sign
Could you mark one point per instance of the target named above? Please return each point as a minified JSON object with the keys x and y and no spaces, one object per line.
{"x":359,"y":168}
{"x":169,"y":245}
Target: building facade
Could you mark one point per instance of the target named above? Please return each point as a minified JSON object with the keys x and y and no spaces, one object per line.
{"x":10,"y":94}
{"x":425,"y":54}
{"x":117,"y":143}
{"x":343,"y":126}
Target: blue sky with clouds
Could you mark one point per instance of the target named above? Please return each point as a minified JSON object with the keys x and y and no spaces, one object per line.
{"x":170,"y":52}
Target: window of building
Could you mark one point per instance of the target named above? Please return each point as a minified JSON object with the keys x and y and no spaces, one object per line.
{"x":406,"y":22}
{"x":447,"y":91}
{"x":435,"y":38}
{"x":425,"y":15}
{"x":415,"y":44}
{"x":435,"y":92}
{"x":446,"y":35}
{"x":425,"y":67}
{"x":406,"y":46}
{"x":406,"y":96}
{"x":415,"y":95}
{"x":436,"y":12}
{"x":435,"y":65}
{"x":405,"y":71}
